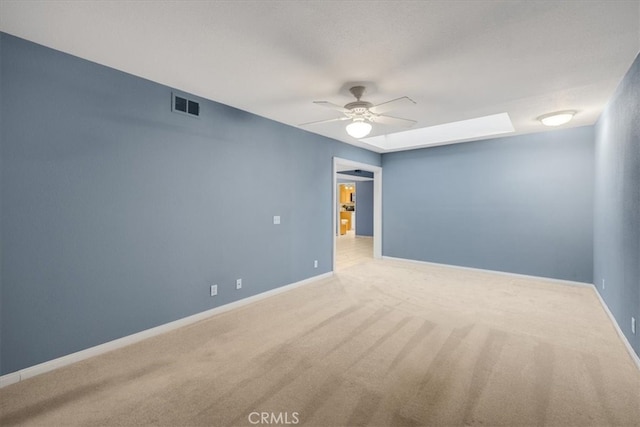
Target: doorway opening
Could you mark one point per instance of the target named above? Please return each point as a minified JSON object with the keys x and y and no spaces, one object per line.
{"x":356,"y":239}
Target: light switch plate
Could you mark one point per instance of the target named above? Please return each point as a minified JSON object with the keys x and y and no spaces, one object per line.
{"x":276,"y":219}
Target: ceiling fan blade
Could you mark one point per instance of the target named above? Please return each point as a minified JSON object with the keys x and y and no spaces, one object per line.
{"x":332,"y":106}
{"x":394,"y":121}
{"x":405,"y":101}
{"x":339,"y":119}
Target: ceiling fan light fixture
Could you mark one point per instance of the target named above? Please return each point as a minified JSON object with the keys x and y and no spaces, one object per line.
{"x":558,"y":118}
{"x":358,"y":129}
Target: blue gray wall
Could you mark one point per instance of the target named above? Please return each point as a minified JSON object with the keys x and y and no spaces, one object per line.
{"x":519,"y":204}
{"x":364,"y":208}
{"x":117,"y":214}
{"x":617,"y":204}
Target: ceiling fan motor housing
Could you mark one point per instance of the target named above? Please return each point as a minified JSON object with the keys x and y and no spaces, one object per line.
{"x":359,"y":109}
{"x":358,"y":106}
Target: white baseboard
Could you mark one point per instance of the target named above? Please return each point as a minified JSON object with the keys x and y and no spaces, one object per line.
{"x":503,"y":273}
{"x":627,"y":344}
{"x":50,"y":365}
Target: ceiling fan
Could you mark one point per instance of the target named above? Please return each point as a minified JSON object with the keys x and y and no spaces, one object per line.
{"x":363,"y":113}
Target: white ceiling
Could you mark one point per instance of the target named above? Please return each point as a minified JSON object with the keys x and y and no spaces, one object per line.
{"x":352,"y":178}
{"x":458,"y":60}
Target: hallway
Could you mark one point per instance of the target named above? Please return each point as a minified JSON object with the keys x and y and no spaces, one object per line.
{"x":352,"y":249}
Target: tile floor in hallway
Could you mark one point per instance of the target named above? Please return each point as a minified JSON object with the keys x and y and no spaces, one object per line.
{"x":352,"y":249}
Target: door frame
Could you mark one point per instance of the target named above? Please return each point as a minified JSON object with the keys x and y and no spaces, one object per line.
{"x":339,"y":165}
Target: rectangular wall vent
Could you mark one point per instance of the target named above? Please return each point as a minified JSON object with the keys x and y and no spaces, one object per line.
{"x":182,"y":105}
{"x":193,"y":108}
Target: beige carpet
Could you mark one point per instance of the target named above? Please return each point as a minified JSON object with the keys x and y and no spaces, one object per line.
{"x":382,"y":343}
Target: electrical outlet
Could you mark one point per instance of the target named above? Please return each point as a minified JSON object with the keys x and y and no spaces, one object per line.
{"x":239,"y":284}
{"x":214,"y":290}
{"x":315,"y":263}
{"x":602,"y":283}
{"x":633,"y":325}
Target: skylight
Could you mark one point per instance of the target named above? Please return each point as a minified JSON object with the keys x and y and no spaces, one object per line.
{"x":447,"y":133}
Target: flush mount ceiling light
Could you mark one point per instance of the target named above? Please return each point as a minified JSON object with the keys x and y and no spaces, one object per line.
{"x":558,"y":118}
{"x":358,"y":128}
